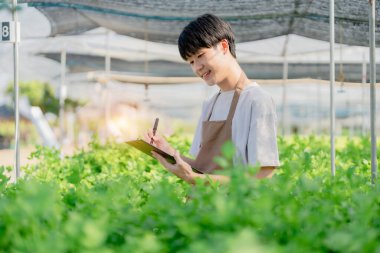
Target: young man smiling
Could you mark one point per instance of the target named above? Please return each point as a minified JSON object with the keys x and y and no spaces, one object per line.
{"x":241,"y":111}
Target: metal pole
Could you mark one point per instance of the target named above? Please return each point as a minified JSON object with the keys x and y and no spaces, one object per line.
{"x":364,"y":81}
{"x":284,"y":78}
{"x":332,"y":82}
{"x":319,"y":118}
{"x":146,"y":63}
{"x":108,"y":58}
{"x":284,"y":95}
{"x":107,"y":65}
{"x":372,"y":21}
{"x":16,"y":91}
{"x":62,"y":95}
{"x":146,"y":35}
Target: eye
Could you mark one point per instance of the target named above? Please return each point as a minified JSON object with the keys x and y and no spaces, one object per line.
{"x":191,"y":62}
{"x":200,"y":55}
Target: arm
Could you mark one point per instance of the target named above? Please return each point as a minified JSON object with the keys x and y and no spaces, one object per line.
{"x":183,"y":170}
{"x":264,"y":172}
{"x":215,"y":178}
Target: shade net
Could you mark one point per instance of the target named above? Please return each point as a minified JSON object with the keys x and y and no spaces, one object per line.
{"x":162,"y":21}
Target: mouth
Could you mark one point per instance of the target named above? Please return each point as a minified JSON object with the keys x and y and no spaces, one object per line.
{"x":206,"y":74}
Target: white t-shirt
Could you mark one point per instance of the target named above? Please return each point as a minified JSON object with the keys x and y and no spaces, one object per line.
{"x":253,"y":125}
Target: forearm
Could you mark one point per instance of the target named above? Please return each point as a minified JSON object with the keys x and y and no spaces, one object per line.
{"x":192,"y":180}
{"x":191,"y":162}
{"x":264,"y":172}
{"x":195,"y":173}
{"x":215,"y":178}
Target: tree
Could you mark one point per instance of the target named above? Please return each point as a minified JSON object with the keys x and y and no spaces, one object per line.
{"x":41,"y":94}
{"x":8,"y":5}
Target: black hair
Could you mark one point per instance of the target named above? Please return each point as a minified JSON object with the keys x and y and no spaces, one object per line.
{"x":205,"y":31}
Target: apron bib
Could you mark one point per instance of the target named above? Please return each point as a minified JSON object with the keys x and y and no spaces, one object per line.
{"x":216,"y":133}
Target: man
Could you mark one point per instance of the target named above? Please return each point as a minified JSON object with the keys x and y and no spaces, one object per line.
{"x":242,"y":111}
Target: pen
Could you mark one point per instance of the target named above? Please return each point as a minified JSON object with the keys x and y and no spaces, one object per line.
{"x":154,"y":130}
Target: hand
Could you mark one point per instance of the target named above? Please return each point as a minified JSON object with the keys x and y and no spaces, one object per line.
{"x":181,"y":169}
{"x":159,"y":142}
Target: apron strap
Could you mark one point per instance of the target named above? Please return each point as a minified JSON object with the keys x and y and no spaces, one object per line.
{"x":235,"y":100}
{"x":212,"y":107}
{"x":238,"y":89}
{"x":233,"y":106}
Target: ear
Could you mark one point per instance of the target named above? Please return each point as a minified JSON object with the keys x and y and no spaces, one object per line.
{"x":225,"y":46}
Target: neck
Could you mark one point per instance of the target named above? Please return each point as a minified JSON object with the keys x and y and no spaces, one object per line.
{"x":231,"y":78}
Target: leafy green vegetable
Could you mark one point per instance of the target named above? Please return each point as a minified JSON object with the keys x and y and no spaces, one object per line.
{"x":109,"y":198}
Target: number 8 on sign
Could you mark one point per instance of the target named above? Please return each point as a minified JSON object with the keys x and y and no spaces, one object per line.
{"x":5,"y":31}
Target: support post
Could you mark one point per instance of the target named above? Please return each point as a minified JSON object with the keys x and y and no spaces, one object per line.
{"x":372,"y":21}
{"x":332,"y":84}
{"x":62,"y":96}
{"x":16,"y":91}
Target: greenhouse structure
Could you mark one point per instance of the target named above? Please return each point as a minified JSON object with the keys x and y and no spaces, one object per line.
{"x":88,"y":77}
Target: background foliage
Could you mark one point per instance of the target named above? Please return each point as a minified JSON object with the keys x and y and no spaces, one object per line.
{"x":41,"y":94}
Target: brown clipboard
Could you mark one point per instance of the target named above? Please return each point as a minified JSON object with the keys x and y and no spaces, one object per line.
{"x":147,"y":148}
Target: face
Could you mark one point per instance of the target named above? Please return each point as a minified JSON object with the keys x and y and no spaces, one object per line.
{"x":207,"y":63}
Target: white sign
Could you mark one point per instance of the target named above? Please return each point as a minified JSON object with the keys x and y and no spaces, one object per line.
{"x":7,"y":31}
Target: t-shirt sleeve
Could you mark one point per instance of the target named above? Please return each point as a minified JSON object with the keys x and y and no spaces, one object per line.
{"x":262,"y":137}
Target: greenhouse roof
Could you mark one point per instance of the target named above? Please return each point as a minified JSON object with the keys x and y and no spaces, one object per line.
{"x":162,"y":21}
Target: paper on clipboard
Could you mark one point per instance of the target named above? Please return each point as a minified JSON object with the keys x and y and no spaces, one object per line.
{"x":147,"y":148}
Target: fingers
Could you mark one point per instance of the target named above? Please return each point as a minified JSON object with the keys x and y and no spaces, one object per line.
{"x":146,"y":137}
{"x":149,"y":133}
{"x":149,"y":136}
{"x":177,"y":157}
